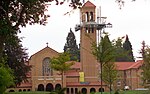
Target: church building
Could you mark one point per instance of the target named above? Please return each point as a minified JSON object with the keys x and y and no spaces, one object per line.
{"x":84,"y":75}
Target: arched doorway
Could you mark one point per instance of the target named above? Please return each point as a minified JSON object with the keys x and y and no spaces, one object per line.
{"x":40,"y":87}
{"x":24,"y":89}
{"x":20,"y":90}
{"x":11,"y":90}
{"x":49,"y":87}
{"x":101,"y":89}
{"x":84,"y":91}
{"x":57,"y":86}
{"x":92,"y":90}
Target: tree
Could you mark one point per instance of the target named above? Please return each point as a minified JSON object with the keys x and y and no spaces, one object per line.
{"x":146,"y":68}
{"x":123,"y":50}
{"x":18,"y":13}
{"x":142,"y":51}
{"x":13,"y":15}
{"x":109,"y":74}
{"x":6,"y":78}
{"x":60,"y":64}
{"x":71,"y":47}
{"x":128,"y":48}
{"x":16,"y":58}
{"x":119,"y":50}
{"x":105,"y":54}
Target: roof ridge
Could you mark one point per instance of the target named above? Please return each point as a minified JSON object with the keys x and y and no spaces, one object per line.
{"x":42,"y":50}
{"x":88,"y":4}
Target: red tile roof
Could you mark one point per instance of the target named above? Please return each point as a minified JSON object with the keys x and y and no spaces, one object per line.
{"x":72,"y":73}
{"x":23,"y":85}
{"x":89,"y":4}
{"x":127,"y":65}
{"x":77,"y":65}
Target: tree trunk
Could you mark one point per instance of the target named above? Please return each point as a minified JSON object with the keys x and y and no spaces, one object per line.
{"x":1,"y":47}
{"x":110,"y":89}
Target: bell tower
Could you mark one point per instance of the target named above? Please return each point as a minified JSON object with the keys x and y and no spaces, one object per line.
{"x":87,"y":37}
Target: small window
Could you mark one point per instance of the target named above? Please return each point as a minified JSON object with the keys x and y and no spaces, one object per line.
{"x":87,"y":17}
{"x":91,"y":16}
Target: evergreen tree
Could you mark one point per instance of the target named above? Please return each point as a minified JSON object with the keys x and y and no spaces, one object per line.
{"x":142,"y":51}
{"x":120,"y":53}
{"x":128,"y":48}
{"x":71,"y":47}
{"x":123,"y":50}
{"x":105,"y":54}
{"x":16,"y":58}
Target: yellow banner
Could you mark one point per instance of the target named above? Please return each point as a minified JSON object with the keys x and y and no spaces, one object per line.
{"x":81,"y":76}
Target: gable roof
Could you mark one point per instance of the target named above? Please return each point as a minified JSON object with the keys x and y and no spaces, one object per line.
{"x":47,"y":47}
{"x":88,"y":4}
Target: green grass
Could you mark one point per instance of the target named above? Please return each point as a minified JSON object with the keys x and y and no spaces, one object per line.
{"x":121,"y":92}
{"x":129,"y":92}
{"x":34,"y":92}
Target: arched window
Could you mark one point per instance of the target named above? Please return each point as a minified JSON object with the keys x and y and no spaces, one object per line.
{"x":67,"y":90}
{"x":87,"y":17}
{"x":47,"y":71}
{"x":49,"y":87}
{"x":91,"y":16}
{"x":72,"y":90}
{"x":40,"y":87}
{"x":57,"y":86}
{"x":76,"y":90}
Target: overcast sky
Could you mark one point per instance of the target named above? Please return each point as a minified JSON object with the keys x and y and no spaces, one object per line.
{"x":133,"y":19}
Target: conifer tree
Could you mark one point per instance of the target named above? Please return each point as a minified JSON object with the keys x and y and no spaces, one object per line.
{"x":128,"y":48}
{"x":119,"y":50}
{"x":71,"y":47}
{"x":120,"y":53}
{"x":123,"y":50}
{"x":142,"y":51}
{"x":105,"y":54}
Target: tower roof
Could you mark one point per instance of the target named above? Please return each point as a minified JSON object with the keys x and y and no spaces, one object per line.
{"x":88,"y":4}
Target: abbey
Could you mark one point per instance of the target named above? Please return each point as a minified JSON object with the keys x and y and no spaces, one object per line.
{"x":83,"y":75}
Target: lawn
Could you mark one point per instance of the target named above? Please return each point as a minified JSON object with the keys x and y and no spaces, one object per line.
{"x":129,"y":92}
{"x":121,"y":92}
{"x":37,"y":92}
